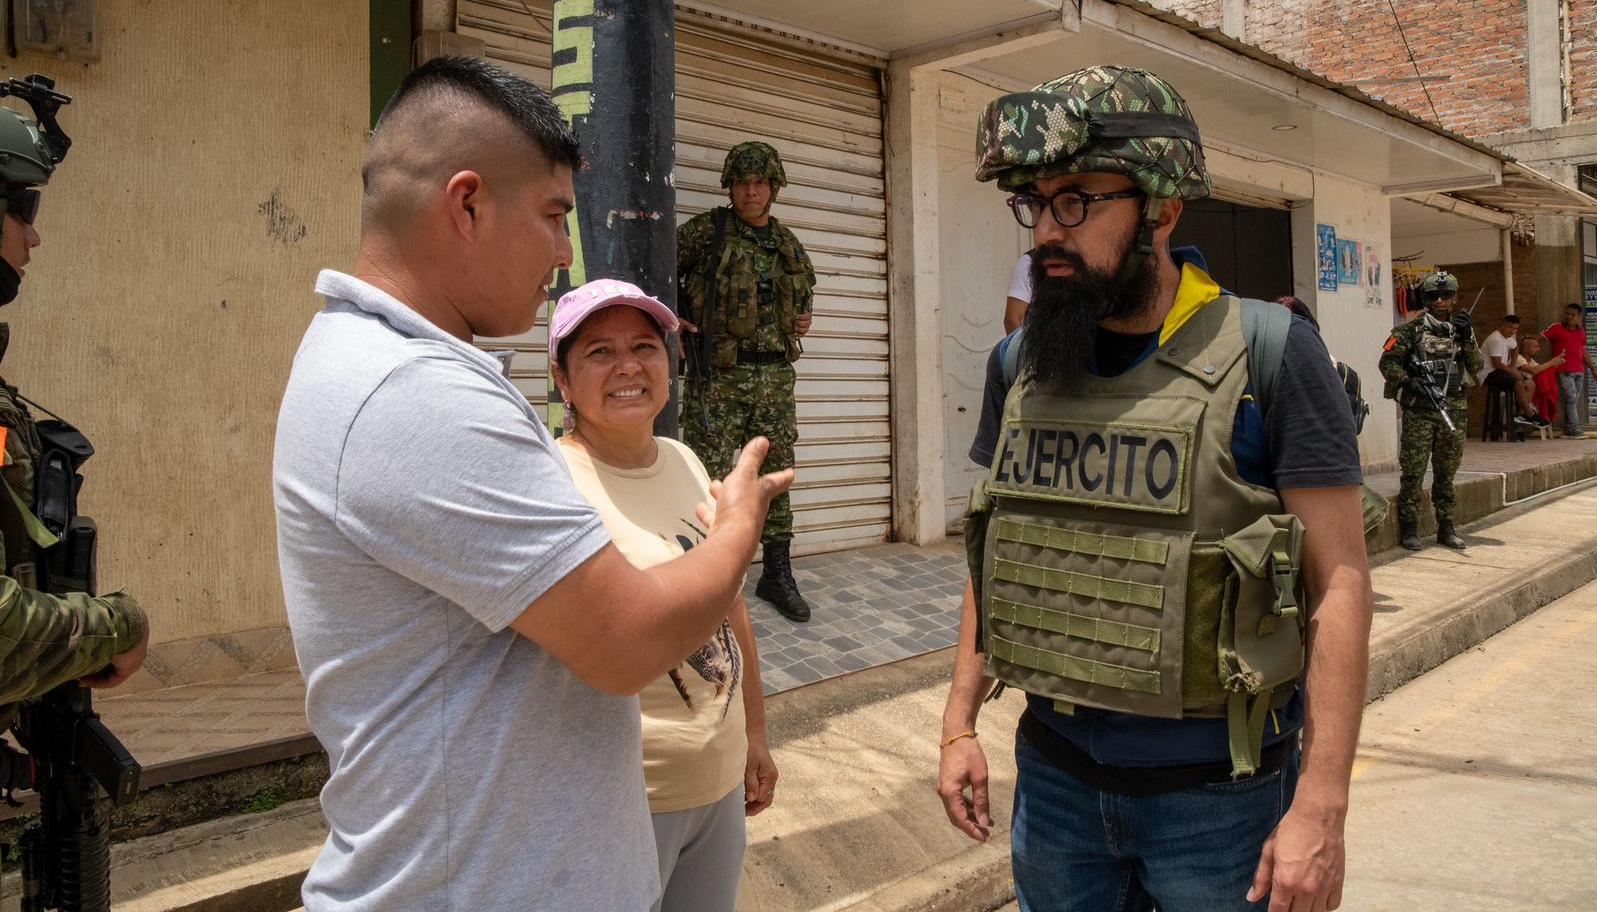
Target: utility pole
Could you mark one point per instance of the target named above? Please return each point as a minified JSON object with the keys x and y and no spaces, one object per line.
{"x":615,"y":81}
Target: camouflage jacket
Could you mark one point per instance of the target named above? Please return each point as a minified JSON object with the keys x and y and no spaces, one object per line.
{"x":1400,"y":348}
{"x":46,"y":640}
{"x":765,"y":280}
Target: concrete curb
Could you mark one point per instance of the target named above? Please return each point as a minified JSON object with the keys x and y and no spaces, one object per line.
{"x":976,"y":880}
{"x":1497,"y":607}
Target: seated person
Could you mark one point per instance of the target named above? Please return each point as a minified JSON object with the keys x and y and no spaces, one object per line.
{"x":1543,"y":377}
{"x":1501,"y":371}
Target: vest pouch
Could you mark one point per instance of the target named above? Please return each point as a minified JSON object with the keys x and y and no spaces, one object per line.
{"x":790,"y":287}
{"x":725,"y":354}
{"x":1089,"y":616}
{"x":1261,"y":639}
{"x":739,"y":307}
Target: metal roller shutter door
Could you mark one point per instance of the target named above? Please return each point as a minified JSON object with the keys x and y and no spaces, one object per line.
{"x":824,"y":114}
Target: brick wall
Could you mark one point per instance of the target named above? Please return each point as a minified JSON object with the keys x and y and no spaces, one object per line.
{"x":1480,"y":42}
{"x":1583,"y":60}
{"x":1207,"y":13}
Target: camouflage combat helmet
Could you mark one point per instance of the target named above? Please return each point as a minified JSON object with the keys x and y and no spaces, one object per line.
{"x":30,"y":149}
{"x":753,"y":159}
{"x":1102,"y":118}
{"x":1439,"y":284}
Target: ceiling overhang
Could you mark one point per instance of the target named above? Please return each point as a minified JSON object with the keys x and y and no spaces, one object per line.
{"x":1526,"y":191}
{"x":1243,"y":98}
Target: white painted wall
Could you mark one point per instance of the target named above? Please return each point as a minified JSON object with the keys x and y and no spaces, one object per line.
{"x":1354,"y":324}
{"x":1475,"y":245}
{"x":978,"y":243}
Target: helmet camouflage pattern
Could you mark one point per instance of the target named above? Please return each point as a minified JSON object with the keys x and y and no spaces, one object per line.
{"x":1439,"y":284}
{"x":1115,"y":119}
{"x":753,"y":159}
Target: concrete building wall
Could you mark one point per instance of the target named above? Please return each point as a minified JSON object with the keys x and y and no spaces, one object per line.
{"x":1353,"y":321}
{"x":214,"y":170}
{"x":1469,"y":245}
{"x":978,"y":243}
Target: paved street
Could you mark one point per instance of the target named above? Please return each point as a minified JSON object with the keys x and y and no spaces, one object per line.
{"x":1476,"y":786}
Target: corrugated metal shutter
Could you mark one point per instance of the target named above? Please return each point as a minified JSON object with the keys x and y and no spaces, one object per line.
{"x":823,"y":112}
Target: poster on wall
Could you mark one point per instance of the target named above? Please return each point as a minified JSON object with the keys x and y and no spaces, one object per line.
{"x":1591,"y":348}
{"x":1349,"y":268}
{"x":1374,"y":278}
{"x":1327,"y":256}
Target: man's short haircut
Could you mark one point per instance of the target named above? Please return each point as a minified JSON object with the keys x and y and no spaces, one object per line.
{"x":527,"y":106}
{"x":1511,"y":318}
{"x":455,"y":114}
{"x":1573,"y":306}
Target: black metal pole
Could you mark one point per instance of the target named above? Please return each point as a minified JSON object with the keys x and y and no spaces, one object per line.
{"x":615,"y":79}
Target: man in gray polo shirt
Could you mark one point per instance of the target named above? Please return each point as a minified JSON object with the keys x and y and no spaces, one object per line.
{"x":471,"y":641}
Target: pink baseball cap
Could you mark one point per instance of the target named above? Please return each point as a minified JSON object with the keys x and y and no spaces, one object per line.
{"x":581,"y":302}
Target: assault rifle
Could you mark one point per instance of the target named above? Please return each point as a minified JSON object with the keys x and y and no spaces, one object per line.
{"x":699,"y":347}
{"x":71,"y":755}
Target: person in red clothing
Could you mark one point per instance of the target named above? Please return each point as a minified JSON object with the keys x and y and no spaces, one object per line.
{"x":1544,"y":395}
{"x":1569,"y":340}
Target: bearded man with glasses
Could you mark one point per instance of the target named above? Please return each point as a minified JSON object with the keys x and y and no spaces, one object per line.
{"x":1167,"y":554}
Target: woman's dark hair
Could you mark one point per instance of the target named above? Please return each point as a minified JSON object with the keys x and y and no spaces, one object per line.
{"x":1298,"y":308}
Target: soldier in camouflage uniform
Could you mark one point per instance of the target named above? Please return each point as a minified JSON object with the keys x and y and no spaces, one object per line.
{"x":1427,"y":363}
{"x":45,"y":640}
{"x":764,"y":292}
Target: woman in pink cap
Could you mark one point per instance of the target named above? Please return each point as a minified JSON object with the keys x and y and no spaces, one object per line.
{"x":705,"y":758}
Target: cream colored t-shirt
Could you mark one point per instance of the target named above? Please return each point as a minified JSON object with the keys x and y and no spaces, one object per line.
{"x":694,"y":742}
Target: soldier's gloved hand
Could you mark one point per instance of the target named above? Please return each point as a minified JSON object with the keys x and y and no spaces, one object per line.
{"x":1463,"y":326}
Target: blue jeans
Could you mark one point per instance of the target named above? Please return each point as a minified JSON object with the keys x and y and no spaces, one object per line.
{"x":1571,"y":404}
{"x":1078,"y":849}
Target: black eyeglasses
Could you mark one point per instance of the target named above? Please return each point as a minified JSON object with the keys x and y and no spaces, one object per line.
{"x":23,"y":203}
{"x":1069,"y":207}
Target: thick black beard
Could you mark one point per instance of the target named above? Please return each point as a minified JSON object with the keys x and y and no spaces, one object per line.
{"x":1062,"y":320}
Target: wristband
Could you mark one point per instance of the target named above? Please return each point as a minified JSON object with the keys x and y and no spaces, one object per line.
{"x":969,"y":734}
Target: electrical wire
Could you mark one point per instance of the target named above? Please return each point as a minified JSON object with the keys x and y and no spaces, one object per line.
{"x":1414,"y":63}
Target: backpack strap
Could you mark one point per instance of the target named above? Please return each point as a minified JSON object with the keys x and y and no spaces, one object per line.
{"x":1265,"y":326}
{"x":1009,"y":353}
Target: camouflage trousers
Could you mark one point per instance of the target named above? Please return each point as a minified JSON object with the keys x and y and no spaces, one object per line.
{"x":736,"y":404}
{"x":1426,"y":440}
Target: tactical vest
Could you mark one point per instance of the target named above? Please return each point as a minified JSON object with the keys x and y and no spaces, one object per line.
{"x":1436,"y":353}
{"x":16,"y":499}
{"x":739,"y":295}
{"x":1120,"y":561}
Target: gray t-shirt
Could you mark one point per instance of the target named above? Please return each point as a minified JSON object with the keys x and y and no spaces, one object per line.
{"x":421,"y":507}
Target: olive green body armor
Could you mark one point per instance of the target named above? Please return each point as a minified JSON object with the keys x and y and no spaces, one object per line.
{"x":1120,"y":561}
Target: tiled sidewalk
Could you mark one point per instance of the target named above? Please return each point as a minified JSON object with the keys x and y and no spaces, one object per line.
{"x":869,"y":607}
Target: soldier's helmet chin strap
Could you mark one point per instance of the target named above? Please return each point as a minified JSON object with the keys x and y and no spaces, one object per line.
{"x":1152,"y":207}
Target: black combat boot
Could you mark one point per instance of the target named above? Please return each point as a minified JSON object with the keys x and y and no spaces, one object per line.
{"x":1446,"y":535}
{"x":776,"y":584}
{"x":1408,"y":535}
